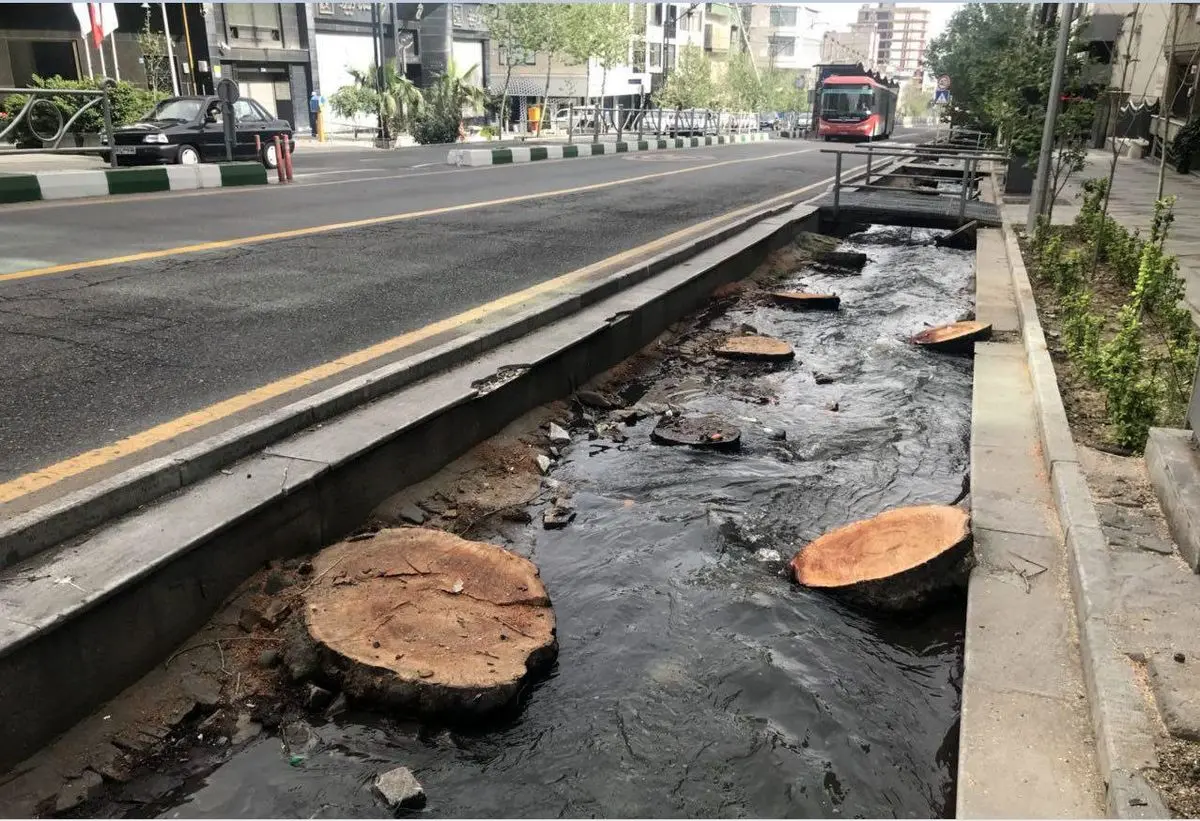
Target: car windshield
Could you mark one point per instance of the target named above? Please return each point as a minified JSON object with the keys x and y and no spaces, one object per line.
{"x":847,"y":102}
{"x":178,"y":110}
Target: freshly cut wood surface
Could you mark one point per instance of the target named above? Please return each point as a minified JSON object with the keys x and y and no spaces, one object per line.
{"x":760,"y":348}
{"x":422,"y":617}
{"x":897,"y":560}
{"x":955,"y":332}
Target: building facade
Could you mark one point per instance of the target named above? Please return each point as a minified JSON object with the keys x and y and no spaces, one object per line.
{"x":886,"y":37}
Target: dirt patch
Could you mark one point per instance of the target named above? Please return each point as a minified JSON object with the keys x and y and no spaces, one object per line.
{"x":1178,"y":777}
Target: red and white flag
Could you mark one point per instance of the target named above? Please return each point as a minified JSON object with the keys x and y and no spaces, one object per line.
{"x":96,"y":19}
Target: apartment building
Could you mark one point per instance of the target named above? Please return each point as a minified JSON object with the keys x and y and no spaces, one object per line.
{"x":886,"y":37}
{"x":783,"y":36}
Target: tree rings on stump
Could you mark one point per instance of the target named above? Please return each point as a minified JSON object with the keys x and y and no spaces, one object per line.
{"x":807,"y":302}
{"x":957,"y":337}
{"x":697,"y":431}
{"x":898,"y":560}
{"x":755,"y":348}
{"x":421,"y":620}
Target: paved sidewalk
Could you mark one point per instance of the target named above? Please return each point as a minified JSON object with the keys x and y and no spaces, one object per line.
{"x":1027,"y":747}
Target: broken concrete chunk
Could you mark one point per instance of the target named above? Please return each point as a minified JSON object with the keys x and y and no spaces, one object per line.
{"x":595,"y":399}
{"x":78,"y":791}
{"x":400,"y":789}
{"x":245,"y":729}
{"x":543,"y":463}
{"x":556,"y":518}
{"x":412,"y":514}
{"x":558,"y":435}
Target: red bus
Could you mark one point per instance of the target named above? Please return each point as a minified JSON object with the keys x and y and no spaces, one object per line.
{"x":856,"y":107}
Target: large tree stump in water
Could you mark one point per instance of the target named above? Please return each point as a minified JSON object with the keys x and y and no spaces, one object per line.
{"x":955,"y":338}
{"x":898,"y":560}
{"x":698,"y":432}
{"x":755,"y":348}
{"x":801,"y":301}
{"x":422,"y":620}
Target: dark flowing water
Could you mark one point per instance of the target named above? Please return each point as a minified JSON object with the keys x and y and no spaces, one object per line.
{"x":694,"y":679}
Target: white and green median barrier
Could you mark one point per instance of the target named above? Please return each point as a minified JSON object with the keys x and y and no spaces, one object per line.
{"x":61,"y":185}
{"x":533,"y":153}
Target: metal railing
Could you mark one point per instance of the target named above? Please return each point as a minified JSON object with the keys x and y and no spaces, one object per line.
{"x":953,"y":165}
{"x":625,"y":121}
{"x":41,"y":105}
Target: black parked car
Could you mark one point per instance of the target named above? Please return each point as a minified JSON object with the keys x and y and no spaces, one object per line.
{"x":189,"y":130}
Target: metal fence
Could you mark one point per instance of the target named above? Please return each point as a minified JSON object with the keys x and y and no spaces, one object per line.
{"x":40,"y":107}
{"x":597,"y":121}
{"x":926,"y":167}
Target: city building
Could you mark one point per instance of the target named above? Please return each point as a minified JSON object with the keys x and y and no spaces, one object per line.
{"x":783,"y":36}
{"x":886,"y":37}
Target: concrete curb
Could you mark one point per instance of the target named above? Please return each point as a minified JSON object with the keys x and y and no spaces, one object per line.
{"x":504,"y":156}
{"x":61,"y":185}
{"x":1124,"y":730}
{"x":159,"y":573}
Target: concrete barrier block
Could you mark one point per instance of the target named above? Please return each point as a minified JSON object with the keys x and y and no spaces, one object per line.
{"x":1072,"y":497}
{"x":1174,"y":468}
{"x":62,"y":185}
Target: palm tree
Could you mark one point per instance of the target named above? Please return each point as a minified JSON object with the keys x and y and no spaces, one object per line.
{"x":454,"y":91}
{"x":400,"y":100}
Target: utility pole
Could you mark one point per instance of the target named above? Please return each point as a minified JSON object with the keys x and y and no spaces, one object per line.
{"x":1037,"y":202}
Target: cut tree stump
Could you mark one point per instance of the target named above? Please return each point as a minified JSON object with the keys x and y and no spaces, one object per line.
{"x":899,"y":560}
{"x":807,"y":302}
{"x":956,"y":338}
{"x":422,"y":621}
{"x":844,"y":261}
{"x":697,"y":431}
{"x":755,"y":348}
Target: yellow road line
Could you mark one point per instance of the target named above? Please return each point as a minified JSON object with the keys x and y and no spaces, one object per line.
{"x":217,"y":245}
{"x":52,"y":474}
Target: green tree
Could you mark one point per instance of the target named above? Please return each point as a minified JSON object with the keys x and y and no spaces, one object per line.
{"x":516,"y":30}
{"x":742,"y":84}
{"x":454,"y":91}
{"x":914,"y":101}
{"x":599,"y":31}
{"x":690,"y":83}
{"x":398,"y":102}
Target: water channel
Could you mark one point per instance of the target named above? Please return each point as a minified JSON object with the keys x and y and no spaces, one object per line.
{"x":694,"y":679}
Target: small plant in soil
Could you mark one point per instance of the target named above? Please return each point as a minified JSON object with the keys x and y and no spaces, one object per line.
{"x":1114,"y":300}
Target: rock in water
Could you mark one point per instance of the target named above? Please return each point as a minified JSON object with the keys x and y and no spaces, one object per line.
{"x":755,"y":348}
{"x":898,"y":560}
{"x":424,"y":621}
{"x":400,"y":788}
{"x":957,"y":337}
{"x":558,"y":435}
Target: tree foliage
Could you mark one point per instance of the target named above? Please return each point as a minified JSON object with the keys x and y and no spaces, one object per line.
{"x":399,"y":101}
{"x":690,"y":83}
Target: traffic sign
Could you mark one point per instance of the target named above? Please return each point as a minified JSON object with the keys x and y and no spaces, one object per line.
{"x":942,"y":97}
{"x":944,"y":82}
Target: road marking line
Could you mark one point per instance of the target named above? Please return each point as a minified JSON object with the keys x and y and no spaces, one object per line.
{"x":217,"y":245}
{"x":97,"y":457}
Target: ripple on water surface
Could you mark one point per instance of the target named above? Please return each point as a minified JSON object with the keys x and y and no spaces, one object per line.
{"x":694,"y":679}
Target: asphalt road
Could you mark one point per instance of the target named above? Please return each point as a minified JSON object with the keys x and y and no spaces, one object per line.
{"x":98,"y":353}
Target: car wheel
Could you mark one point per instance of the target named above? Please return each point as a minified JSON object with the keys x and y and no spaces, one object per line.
{"x":188,"y":155}
{"x":269,"y":157}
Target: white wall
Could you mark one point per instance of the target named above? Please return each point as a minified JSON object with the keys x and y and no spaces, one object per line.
{"x":336,"y":53}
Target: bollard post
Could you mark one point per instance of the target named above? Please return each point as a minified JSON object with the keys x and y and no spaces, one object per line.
{"x":279,"y":160}
{"x":837,"y":183}
{"x":620,"y":123}
{"x":596,"y":122}
{"x":641,"y":118}
{"x":108,"y":126}
{"x":258,"y":146}
{"x":287,"y":155}
{"x":570,"y":123}
{"x":870,"y":156}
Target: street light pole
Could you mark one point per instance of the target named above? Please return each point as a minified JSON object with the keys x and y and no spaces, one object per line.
{"x":1041,"y":184}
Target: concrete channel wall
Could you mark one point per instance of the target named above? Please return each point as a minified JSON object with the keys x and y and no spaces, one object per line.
{"x":141,"y":584}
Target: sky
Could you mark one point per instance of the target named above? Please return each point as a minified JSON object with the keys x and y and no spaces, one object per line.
{"x":841,"y":15}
